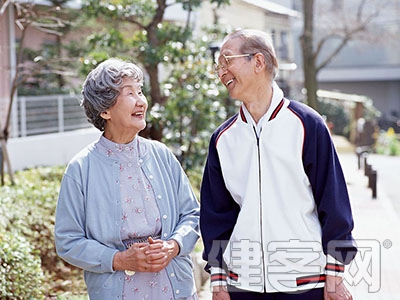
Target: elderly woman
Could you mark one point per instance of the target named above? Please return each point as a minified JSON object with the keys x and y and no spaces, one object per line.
{"x":126,"y":213}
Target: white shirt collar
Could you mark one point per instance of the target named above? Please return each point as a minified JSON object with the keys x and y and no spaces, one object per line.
{"x":277,"y":95}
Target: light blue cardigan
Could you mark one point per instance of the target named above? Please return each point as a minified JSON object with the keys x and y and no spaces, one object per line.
{"x":88,"y":217}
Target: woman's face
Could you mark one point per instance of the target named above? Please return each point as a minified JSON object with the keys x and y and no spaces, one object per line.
{"x":128,"y":114}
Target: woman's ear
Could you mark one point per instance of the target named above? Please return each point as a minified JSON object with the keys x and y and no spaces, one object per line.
{"x":105,"y":115}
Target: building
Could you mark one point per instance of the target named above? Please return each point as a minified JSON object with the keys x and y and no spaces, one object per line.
{"x":361,"y":68}
{"x":371,"y":67}
{"x":7,"y":63}
{"x":265,"y":15}
{"x":368,"y":65}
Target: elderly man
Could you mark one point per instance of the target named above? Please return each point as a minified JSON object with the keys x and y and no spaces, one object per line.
{"x":275,"y":215}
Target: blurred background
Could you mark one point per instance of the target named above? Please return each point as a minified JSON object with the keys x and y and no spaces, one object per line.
{"x":340,"y":57}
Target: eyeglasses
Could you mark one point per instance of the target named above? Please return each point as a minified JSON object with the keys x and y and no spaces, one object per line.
{"x":224,"y":66}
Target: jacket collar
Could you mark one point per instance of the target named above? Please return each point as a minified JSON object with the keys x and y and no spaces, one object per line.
{"x":273,"y":110}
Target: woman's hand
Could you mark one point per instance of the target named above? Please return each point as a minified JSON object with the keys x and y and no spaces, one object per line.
{"x":146,"y":257}
{"x":132,"y":259}
{"x":159,"y":253}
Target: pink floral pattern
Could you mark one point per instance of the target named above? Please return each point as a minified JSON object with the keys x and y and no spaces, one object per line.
{"x":140,"y":218}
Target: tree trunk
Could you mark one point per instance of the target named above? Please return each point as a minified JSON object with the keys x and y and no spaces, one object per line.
{"x":5,"y":159}
{"x":155,"y":130}
{"x":309,"y":58}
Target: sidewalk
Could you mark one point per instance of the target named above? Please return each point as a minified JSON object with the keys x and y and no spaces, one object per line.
{"x":376,"y":224}
{"x":375,"y":273}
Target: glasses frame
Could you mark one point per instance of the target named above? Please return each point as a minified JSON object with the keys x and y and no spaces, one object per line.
{"x":218,"y":66}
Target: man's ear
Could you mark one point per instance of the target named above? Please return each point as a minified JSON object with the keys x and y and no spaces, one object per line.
{"x":105,"y":115}
{"x":260,"y":61}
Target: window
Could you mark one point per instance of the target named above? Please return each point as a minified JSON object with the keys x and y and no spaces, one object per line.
{"x":284,"y":48}
{"x":337,"y":5}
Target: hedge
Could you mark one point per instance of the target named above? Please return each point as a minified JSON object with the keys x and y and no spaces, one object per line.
{"x":29,"y":265}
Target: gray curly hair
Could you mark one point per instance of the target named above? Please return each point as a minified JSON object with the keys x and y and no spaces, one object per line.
{"x":101,"y":87}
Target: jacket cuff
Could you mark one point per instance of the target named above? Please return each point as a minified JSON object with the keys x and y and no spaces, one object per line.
{"x":218,"y":277}
{"x":334,"y":267}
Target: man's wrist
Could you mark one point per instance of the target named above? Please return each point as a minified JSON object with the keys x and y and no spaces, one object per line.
{"x":219,"y":288}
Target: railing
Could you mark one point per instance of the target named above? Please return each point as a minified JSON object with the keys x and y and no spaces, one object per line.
{"x":33,"y":115}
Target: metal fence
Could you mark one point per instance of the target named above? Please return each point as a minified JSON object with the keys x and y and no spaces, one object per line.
{"x":33,"y":115}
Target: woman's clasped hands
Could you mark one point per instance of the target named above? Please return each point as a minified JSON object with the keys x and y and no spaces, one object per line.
{"x":147,"y":257}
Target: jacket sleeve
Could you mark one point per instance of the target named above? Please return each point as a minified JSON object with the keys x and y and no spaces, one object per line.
{"x":321,"y":163}
{"x":218,"y":212}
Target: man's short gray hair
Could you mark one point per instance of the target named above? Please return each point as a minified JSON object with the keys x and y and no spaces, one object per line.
{"x":257,"y":41}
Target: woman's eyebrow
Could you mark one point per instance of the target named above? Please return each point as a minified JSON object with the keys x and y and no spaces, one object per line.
{"x":127,"y":86}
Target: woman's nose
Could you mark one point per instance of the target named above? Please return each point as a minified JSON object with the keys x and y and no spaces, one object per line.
{"x":141,"y":102}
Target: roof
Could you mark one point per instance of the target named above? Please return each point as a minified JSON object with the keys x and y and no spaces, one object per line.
{"x":76,"y":4}
{"x":342,"y":96}
{"x":273,"y":7}
{"x":361,"y":73}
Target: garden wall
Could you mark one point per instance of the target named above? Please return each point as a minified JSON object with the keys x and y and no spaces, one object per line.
{"x":48,"y":149}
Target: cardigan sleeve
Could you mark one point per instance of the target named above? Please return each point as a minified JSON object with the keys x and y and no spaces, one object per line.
{"x":186,"y":231}
{"x":218,"y":210}
{"x":71,"y":239}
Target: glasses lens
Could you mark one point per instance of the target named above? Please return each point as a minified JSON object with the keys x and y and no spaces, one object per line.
{"x":222,"y":64}
{"x":226,"y":60}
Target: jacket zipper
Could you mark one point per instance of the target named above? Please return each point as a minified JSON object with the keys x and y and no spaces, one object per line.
{"x":261,"y":208}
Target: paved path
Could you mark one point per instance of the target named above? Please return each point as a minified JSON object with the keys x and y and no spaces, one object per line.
{"x":378,"y":225}
{"x":375,"y":273}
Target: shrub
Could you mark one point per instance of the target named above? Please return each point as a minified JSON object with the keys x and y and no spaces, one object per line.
{"x":29,"y":265}
{"x":21,"y":276}
{"x":387,"y":143}
{"x":27,"y":212}
{"x":335,"y":114}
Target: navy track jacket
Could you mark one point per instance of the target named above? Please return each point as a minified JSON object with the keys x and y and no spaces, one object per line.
{"x":275,"y":211}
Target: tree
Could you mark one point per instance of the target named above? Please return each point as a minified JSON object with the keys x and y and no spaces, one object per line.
{"x":335,"y":28}
{"x":197,"y":103}
{"x":137,"y":29}
{"x":49,"y":19}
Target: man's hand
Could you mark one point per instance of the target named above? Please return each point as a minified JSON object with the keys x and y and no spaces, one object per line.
{"x":335,"y":289}
{"x":220,"y":292}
